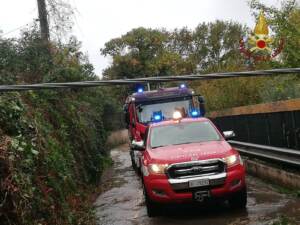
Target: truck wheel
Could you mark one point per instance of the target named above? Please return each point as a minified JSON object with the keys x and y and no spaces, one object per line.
{"x":239,"y":200}
{"x":152,"y":207}
{"x":132,"y":161}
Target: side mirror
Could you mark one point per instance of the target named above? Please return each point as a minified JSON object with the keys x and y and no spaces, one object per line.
{"x":201,"y":99}
{"x":125,"y":108}
{"x":228,"y":134}
{"x":138,"y":145}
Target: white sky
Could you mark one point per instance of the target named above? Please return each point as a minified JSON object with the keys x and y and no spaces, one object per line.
{"x":99,"y":21}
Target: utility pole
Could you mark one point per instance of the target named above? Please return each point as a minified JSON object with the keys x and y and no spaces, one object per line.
{"x":44,"y":26}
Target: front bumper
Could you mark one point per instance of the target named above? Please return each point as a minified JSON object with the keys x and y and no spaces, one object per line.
{"x":180,"y":185}
{"x":162,"y":189}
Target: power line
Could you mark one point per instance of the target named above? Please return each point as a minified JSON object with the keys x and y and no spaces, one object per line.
{"x":16,"y":29}
{"x":191,"y":77}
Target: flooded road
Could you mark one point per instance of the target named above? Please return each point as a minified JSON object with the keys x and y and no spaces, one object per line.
{"x":122,"y":202}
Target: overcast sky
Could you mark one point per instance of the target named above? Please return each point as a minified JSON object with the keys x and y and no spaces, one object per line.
{"x":99,"y":21}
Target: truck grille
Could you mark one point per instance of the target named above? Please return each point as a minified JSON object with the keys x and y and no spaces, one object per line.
{"x":196,"y":168}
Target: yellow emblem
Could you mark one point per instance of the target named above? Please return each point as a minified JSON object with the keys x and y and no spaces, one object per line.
{"x":260,"y":39}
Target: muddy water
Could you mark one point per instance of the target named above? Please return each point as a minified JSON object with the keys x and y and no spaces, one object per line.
{"x":122,"y":203}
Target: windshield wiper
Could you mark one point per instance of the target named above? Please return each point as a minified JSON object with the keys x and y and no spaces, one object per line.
{"x":159,"y":146}
{"x":183,"y":143}
{"x":172,"y":144}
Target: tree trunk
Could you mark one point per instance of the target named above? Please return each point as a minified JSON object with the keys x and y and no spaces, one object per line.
{"x":43,"y":17}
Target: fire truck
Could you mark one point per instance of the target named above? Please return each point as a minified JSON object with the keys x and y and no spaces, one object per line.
{"x":145,"y":107}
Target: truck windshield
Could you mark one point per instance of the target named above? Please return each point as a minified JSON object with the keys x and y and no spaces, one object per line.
{"x":183,"y":133}
{"x":145,"y":112}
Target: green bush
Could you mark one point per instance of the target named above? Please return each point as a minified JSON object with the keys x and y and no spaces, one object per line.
{"x":52,"y":143}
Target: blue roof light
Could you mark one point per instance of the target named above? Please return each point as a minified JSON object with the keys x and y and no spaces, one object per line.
{"x":195,"y":113}
{"x":157,"y":116}
{"x":140,"y":90}
{"x":182,"y":86}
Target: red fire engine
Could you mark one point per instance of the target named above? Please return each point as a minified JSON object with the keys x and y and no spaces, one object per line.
{"x":145,"y":107}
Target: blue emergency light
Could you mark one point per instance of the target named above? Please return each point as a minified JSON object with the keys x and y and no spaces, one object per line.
{"x":157,"y":116}
{"x":140,"y":90}
{"x":181,"y":86}
{"x":195,"y":113}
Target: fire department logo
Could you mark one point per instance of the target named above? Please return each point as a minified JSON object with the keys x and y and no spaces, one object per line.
{"x":197,"y":169}
{"x":260,"y":46}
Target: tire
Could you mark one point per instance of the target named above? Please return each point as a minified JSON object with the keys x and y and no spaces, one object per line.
{"x":151,"y":207}
{"x":239,"y":199}
{"x":132,"y":161}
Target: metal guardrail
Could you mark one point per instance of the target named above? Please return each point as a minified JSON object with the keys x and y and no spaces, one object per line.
{"x":282,"y":155}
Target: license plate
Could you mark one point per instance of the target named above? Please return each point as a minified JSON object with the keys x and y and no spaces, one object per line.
{"x":200,"y":196}
{"x":198,"y":183}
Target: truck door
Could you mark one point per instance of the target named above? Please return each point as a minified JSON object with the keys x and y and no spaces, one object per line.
{"x":134,"y":133}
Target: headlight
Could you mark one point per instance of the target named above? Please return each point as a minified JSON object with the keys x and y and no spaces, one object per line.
{"x":232,"y":160}
{"x":177,"y":115}
{"x":157,"y":168}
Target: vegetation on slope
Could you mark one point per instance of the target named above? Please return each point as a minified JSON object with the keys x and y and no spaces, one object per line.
{"x":52,"y":143}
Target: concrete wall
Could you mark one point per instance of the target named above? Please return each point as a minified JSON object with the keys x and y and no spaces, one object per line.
{"x":273,"y":175}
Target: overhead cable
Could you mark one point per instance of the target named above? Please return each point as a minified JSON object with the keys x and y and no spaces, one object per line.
{"x":190,"y":77}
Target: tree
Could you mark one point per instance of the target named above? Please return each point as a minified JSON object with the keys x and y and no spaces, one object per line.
{"x":142,"y":53}
{"x":61,"y":14}
{"x":211,"y":46}
{"x":43,"y":17}
{"x":147,"y":52}
{"x":55,"y":16}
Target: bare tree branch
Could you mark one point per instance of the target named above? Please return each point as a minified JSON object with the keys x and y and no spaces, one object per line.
{"x":61,"y":14}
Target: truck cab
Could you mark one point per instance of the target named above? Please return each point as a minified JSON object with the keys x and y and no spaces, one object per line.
{"x":189,"y":160}
{"x":145,"y":107}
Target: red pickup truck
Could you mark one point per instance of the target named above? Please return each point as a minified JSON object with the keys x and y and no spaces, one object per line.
{"x":188,"y":159}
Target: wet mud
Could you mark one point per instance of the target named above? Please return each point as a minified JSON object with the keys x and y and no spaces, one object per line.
{"x":122,"y":202}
